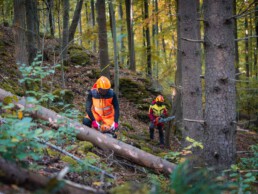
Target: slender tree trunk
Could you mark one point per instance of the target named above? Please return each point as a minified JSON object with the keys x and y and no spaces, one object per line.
{"x":113,"y":19}
{"x":148,"y":42}
{"x":51,"y":17}
{"x":21,"y":54}
{"x":247,"y":49}
{"x":75,"y":21}
{"x":65,"y":38}
{"x":30,"y":33}
{"x":256,"y":45}
{"x":236,"y":43}
{"x":129,"y":21}
{"x":220,"y":95}
{"x":102,"y":33}
{"x":122,"y":44}
{"x":93,"y":23}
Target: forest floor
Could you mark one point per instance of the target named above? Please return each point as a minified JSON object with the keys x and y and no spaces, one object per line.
{"x":135,"y":131}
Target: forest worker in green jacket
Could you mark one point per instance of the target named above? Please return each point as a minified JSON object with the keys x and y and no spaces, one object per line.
{"x":157,"y":109}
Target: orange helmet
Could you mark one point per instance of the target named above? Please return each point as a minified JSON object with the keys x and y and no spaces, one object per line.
{"x":159,"y":98}
{"x":103,"y":83}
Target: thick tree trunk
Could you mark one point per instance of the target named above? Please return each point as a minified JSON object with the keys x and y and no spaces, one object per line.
{"x":21,"y":54}
{"x":76,"y":18}
{"x":102,"y":34}
{"x":220,"y":107}
{"x":190,"y":52}
{"x":98,"y":139}
{"x":10,"y":173}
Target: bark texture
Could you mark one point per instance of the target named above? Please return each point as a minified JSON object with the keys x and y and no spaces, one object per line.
{"x":190,"y":51}
{"x":98,"y":139}
{"x":220,"y":108}
{"x":102,"y":34}
{"x":76,"y":18}
{"x":21,"y":54}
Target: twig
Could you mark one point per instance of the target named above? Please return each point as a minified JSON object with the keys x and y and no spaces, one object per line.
{"x":244,"y":152}
{"x":72,"y":156}
{"x":86,"y":188}
{"x":246,"y":38}
{"x":193,"y":120}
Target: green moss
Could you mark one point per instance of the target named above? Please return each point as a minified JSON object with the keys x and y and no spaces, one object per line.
{"x":52,"y":152}
{"x":133,"y":91}
{"x":128,"y":188}
{"x":91,"y":155}
{"x":147,"y":149}
{"x":79,"y":57}
{"x":85,"y":147}
{"x":69,"y":160}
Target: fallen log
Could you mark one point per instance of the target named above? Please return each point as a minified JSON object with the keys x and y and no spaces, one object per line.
{"x":12,"y":174}
{"x":100,"y":140}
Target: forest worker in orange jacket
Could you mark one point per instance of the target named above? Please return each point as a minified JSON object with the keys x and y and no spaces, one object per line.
{"x":157,"y":109}
{"x":102,"y":107}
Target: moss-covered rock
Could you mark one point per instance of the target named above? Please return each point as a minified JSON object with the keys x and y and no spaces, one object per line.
{"x":92,"y":156}
{"x":79,"y":57}
{"x":127,"y":126}
{"x":133,"y":91}
{"x":85,"y":147}
{"x":95,"y":74}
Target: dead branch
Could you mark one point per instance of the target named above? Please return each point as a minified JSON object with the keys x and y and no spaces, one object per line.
{"x":73,"y":157}
{"x":12,"y":174}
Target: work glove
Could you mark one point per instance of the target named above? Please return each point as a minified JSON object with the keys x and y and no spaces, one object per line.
{"x":95,"y":124}
{"x":114,"y":126}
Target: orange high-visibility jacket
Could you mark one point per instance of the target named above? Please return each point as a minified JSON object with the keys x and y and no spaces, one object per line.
{"x":102,"y":107}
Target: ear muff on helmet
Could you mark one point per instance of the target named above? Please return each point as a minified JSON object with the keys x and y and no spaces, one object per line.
{"x":159,"y":98}
{"x":103,"y":83}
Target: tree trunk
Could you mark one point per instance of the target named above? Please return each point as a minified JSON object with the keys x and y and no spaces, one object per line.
{"x":76,"y":18}
{"x":102,"y":33}
{"x":220,"y":95}
{"x":10,"y":173}
{"x":148,"y":42}
{"x":122,"y":44}
{"x":256,"y":45}
{"x":113,"y":23}
{"x":31,"y":34}
{"x":190,"y":68}
{"x":93,"y":24}
{"x":177,"y":105}
{"x":50,"y":5}
{"x":129,"y":21}
{"x":65,"y":38}
{"x":21,"y":54}
{"x":98,"y":139}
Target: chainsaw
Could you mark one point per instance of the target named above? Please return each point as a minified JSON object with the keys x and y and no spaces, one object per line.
{"x":163,"y":120}
{"x":106,"y":129}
